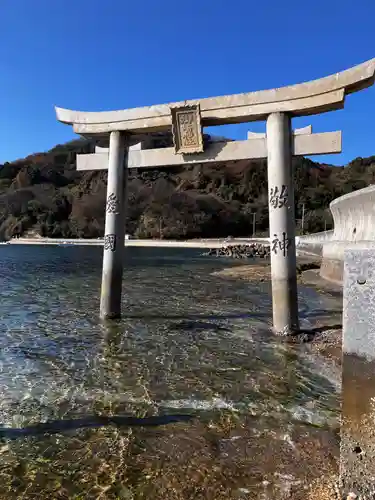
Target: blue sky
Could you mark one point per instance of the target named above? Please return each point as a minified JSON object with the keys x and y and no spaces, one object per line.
{"x":98,"y":55}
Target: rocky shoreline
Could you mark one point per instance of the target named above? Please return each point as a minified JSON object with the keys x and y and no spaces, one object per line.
{"x":249,"y":251}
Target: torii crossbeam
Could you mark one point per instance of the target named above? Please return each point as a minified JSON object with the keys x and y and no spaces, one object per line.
{"x":126,"y":131}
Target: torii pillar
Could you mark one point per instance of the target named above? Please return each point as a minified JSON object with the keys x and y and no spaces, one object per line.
{"x":282,"y":224}
{"x":115,"y":216}
{"x":276,"y":106}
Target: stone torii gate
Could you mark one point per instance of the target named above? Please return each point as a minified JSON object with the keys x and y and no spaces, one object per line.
{"x":127,"y":131}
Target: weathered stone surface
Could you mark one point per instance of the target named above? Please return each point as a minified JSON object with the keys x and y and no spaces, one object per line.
{"x":359,"y":304}
{"x":187,"y":129}
{"x":333,"y":257}
{"x":312,"y":144}
{"x":324,"y":143}
{"x":221,"y":115}
{"x":354,"y":228}
{"x":282,"y":223}
{"x":311,"y":97}
{"x":357,"y":458}
{"x":110,"y":298}
{"x":353,"y":214}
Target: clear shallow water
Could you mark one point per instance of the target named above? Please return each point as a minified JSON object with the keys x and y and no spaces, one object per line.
{"x":189,"y":342}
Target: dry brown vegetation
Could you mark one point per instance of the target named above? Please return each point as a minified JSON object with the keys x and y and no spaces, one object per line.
{"x":45,"y":192}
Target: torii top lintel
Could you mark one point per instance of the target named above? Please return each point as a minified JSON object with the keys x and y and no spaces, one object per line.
{"x":316,"y":96}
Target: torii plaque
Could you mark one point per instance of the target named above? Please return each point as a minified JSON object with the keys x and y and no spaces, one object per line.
{"x":276,"y":106}
{"x":187,"y":129}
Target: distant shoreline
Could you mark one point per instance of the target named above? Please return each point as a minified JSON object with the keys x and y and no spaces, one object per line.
{"x":214,"y":243}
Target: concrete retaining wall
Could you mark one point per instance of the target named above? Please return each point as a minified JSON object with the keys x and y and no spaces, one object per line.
{"x":354,"y":228}
{"x":312,"y":244}
{"x":316,"y":237}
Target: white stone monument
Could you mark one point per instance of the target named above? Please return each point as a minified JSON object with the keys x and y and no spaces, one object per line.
{"x":185,"y":120}
{"x":357,"y":456}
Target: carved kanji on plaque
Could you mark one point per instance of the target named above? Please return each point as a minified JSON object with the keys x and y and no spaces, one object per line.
{"x":187,"y":129}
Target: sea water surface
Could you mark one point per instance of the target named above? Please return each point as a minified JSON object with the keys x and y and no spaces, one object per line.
{"x":189,"y":343}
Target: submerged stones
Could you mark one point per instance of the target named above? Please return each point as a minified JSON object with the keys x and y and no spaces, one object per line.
{"x":249,"y":251}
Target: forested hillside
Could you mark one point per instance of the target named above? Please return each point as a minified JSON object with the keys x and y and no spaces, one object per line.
{"x":44,"y":192}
